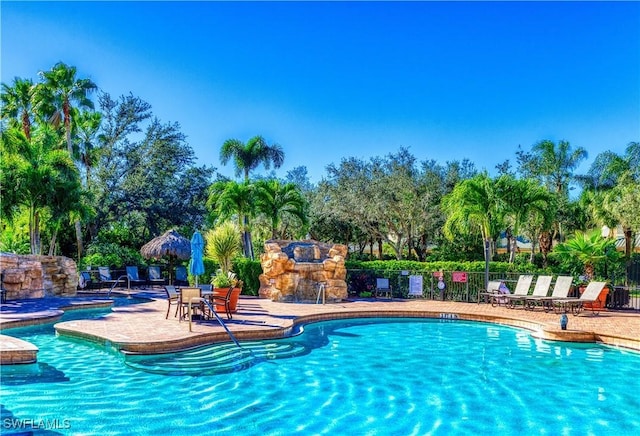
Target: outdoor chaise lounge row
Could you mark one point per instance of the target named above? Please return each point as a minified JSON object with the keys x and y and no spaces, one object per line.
{"x":131,"y":278}
{"x":559,"y":300}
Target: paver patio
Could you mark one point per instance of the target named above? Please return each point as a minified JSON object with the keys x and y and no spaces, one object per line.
{"x":143,"y":328}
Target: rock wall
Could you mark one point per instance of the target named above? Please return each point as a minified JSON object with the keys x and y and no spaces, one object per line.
{"x":31,"y":276}
{"x":292,"y":270}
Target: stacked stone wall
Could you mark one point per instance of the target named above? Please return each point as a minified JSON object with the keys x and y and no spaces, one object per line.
{"x":31,"y":276}
{"x":292,"y":270}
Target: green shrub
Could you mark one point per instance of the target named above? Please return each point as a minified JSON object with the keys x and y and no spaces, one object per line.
{"x":111,"y":255}
{"x":248,"y":271}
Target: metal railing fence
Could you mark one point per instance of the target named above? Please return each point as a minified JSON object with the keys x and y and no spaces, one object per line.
{"x":361,"y":282}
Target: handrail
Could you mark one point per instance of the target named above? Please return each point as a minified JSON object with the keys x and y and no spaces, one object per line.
{"x":205,"y":301}
{"x":126,"y":276}
{"x":321,"y":291}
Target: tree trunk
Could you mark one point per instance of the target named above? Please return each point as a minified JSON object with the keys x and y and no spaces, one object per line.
{"x":79,"y":239}
{"x":52,"y":245}
{"x":546,"y":243}
{"x":628,"y":242}
{"x":513,"y":250}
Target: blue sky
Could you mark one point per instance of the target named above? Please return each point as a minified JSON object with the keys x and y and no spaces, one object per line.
{"x":330,"y":80}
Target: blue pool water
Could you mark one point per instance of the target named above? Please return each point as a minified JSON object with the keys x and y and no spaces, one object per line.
{"x":348,"y":377}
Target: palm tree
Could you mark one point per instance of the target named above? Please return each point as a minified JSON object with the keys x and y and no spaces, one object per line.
{"x":247,"y":157}
{"x":38,"y":175}
{"x":522,"y":200}
{"x":554,"y":163}
{"x":60,"y":91}
{"x":588,"y":249}
{"x":87,"y":127}
{"x":474,"y":206}
{"x":276,"y":200}
{"x":18,"y":102}
{"x":228,"y":199}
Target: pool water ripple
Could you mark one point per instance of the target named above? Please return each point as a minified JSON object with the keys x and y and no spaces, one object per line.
{"x":377,"y":377}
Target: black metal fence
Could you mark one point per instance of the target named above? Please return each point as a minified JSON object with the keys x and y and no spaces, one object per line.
{"x":462,"y":286}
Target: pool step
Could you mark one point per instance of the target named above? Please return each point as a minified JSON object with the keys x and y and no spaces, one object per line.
{"x":214,"y":359}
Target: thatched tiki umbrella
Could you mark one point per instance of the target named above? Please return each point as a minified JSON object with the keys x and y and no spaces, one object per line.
{"x":171,"y":244}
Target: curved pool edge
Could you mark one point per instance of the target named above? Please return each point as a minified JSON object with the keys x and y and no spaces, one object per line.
{"x":14,"y":351}
{"x":197,"y":339}
{"x":143,"y":329}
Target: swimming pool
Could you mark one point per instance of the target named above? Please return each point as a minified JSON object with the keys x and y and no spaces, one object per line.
{"x":360,"y":377}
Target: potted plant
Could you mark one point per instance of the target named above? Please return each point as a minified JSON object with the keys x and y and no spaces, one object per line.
{"x":223,"y":244}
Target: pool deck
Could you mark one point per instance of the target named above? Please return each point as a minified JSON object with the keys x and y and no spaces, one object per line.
{"x":142,"y":328}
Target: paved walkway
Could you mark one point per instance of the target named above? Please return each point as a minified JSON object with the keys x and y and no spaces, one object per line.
{"x":143,"y":328}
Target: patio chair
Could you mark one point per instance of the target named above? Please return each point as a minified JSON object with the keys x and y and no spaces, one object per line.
{"x":541,"y":289}
{"x":383,"y":288}
{"x":85,"y":281}
{"x":173,"y":298}
{"x":561,"y":289}
{"x":134,"y":277}
{"x":181,"y":278}
{"x":223,"y":300}
{"x":205,"y":287}
{"x":106,"y":281}
{"x":590,"y":296}
{"x":154,"y":276}
{"x":186,"y":303}
{"x":522,"y":289}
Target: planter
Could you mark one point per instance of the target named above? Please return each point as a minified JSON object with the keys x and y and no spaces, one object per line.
{"x":233,"y":302}
{"x":600,"y":303}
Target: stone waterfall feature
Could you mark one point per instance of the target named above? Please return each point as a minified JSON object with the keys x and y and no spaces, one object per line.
{"x":293,"y":271}
{"x":31,"y":276}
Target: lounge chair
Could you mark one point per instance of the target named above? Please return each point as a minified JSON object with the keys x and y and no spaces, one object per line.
{"x":522,"y":290}
{"x":560,"y":290}
{"x":383,"y":288}
{"x":541,"y":289}
{"x":181,"y":278}
{"x":493,"y":288}
{"x":154,"y":276}
{"x":134,"y":277}
{"x":85,"y":281}
{"x":590,"y":295}
{"x":173,"y":299}
{"x":106,"y":281}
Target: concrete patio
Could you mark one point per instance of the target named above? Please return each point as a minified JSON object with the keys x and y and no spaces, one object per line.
{"x":142,"y":328}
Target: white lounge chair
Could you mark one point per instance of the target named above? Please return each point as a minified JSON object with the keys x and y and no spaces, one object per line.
{"x":590,"y":295}
{"x":541,"y":289}
{"x":561,"y":289}
{"x":522,"y":290}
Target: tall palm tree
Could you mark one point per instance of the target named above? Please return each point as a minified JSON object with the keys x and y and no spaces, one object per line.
{"x":61,"y":90}
{"x":555,"y":163}
{"x":521,"y":199}
{"x":474,"y":206}
{"x":275,"y":200}
{"x":19,"y":102}
{"x":87,"y":137}
{"x":247,"y":157}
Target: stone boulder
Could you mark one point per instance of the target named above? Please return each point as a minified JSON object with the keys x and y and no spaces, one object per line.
{"x":32,"y":276}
